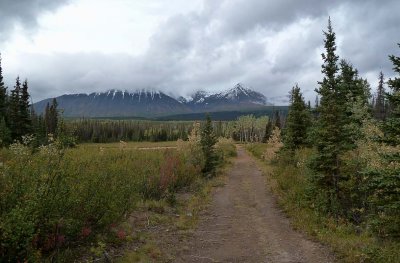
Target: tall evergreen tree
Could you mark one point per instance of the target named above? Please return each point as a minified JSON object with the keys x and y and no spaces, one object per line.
{"x":379,"y":105}
{"x":47,"y":117}
{"x":51,"y":117}
{"x":5,"y":133}
{"x":208,"y":140}
{"x":392,"y":126}
{"x":297,"y":122}
{"x":268,"y":130}
{"x":351,"y":87}
{"x":14,"y":111}
{"x":277,"y":120}
{"x":316,"y":102}
{"x":352,"y":91}
{"x":25,"y":112}
{"x":328,"y":139}
{"x":3,"y":95}
{"x":385,"y":182}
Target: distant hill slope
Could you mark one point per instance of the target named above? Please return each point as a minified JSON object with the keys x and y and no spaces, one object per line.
{"x":151,"y":103}
{"x":116,"y":103}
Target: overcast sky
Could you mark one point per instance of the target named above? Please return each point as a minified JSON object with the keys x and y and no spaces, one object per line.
{"x":177,"y":46}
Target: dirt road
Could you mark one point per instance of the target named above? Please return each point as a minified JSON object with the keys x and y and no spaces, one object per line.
{"x":243,"y":224}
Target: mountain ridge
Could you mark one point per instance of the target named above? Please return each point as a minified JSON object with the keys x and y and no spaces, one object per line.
{"x":153,"y":103}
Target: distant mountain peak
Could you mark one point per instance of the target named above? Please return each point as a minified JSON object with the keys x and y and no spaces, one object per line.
{"x":151,"y":102}
{"x":139,"y":93}
{"x":235,"y":92}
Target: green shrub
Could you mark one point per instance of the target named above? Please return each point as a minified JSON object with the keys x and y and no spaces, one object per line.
{"x":54,"y":198}
{"x":225,"y":148}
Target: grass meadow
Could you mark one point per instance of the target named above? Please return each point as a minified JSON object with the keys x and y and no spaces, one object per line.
{"x":53,"y":201}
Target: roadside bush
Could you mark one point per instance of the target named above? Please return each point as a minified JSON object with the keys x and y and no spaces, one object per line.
{"x":173,"y":175}
{"x":225,"y":148}
{"x":274,"y":145}
{"x":57,"y":198}
{"x":191,"y":149}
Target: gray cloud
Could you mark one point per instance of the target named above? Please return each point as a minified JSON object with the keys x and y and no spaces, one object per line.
{"x":24,"y":13}
{"x":268,"y":45}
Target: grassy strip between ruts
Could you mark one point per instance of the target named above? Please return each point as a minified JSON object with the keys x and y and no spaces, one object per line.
{"x":288,"y":181}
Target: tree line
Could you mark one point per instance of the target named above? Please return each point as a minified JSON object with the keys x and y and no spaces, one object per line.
{"x":18,"y":118}
{"x":356,"y":141}
{"x":246,"y":128}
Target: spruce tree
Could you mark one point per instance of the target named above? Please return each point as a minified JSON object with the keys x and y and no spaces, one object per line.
{"x":328,"y":130}
{"x":14,"y":111}
{"x":385,"y":182}
{"x":277,"y":120}
{"x":5,"y":133}
{"x":47,"y":117}
{"x":351,"y":87}
{"x":379,"y":105}
{"x":316,"y":102}
{"x":392,"y":126}
{"x":297,"y":122}
{"x":25,"y":113}
{"x":268,"y":131}
{"x":51,"y":117}
{"x":3,"y":95}
{"x":208,"y":140}
{"x":352,"y":91}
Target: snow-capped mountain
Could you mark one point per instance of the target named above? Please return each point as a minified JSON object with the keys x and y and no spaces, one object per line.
{"x":151,"y":103}
{"x":235,"y":98}
{"x":116,"y":103}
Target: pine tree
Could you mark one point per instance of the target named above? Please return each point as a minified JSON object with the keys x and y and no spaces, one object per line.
{"x":3,"y":95}
{"x":47,"y":117}
{"x":268,"y":131}
{"x":384,"y":180}
{"x":25,"y":114}
{"x":51,"y":117}
{"x":208,"y":140}
{"x":54,"y":115}
{"x":277,"y":120}
{"x":14,"y":111}
{"x":328,"y":138}
{"x":351,"y":87}
{"x":379,"y":105}
{"x":316,"y":102}
{"x":5,"y":133}
{"x":392,"y":126}
{"x":38,"y":128}
{"x":297,"y":122}
{"x":352,"y":91}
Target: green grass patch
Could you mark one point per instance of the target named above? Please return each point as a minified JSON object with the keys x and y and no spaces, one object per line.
{"x":256,"y":149}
